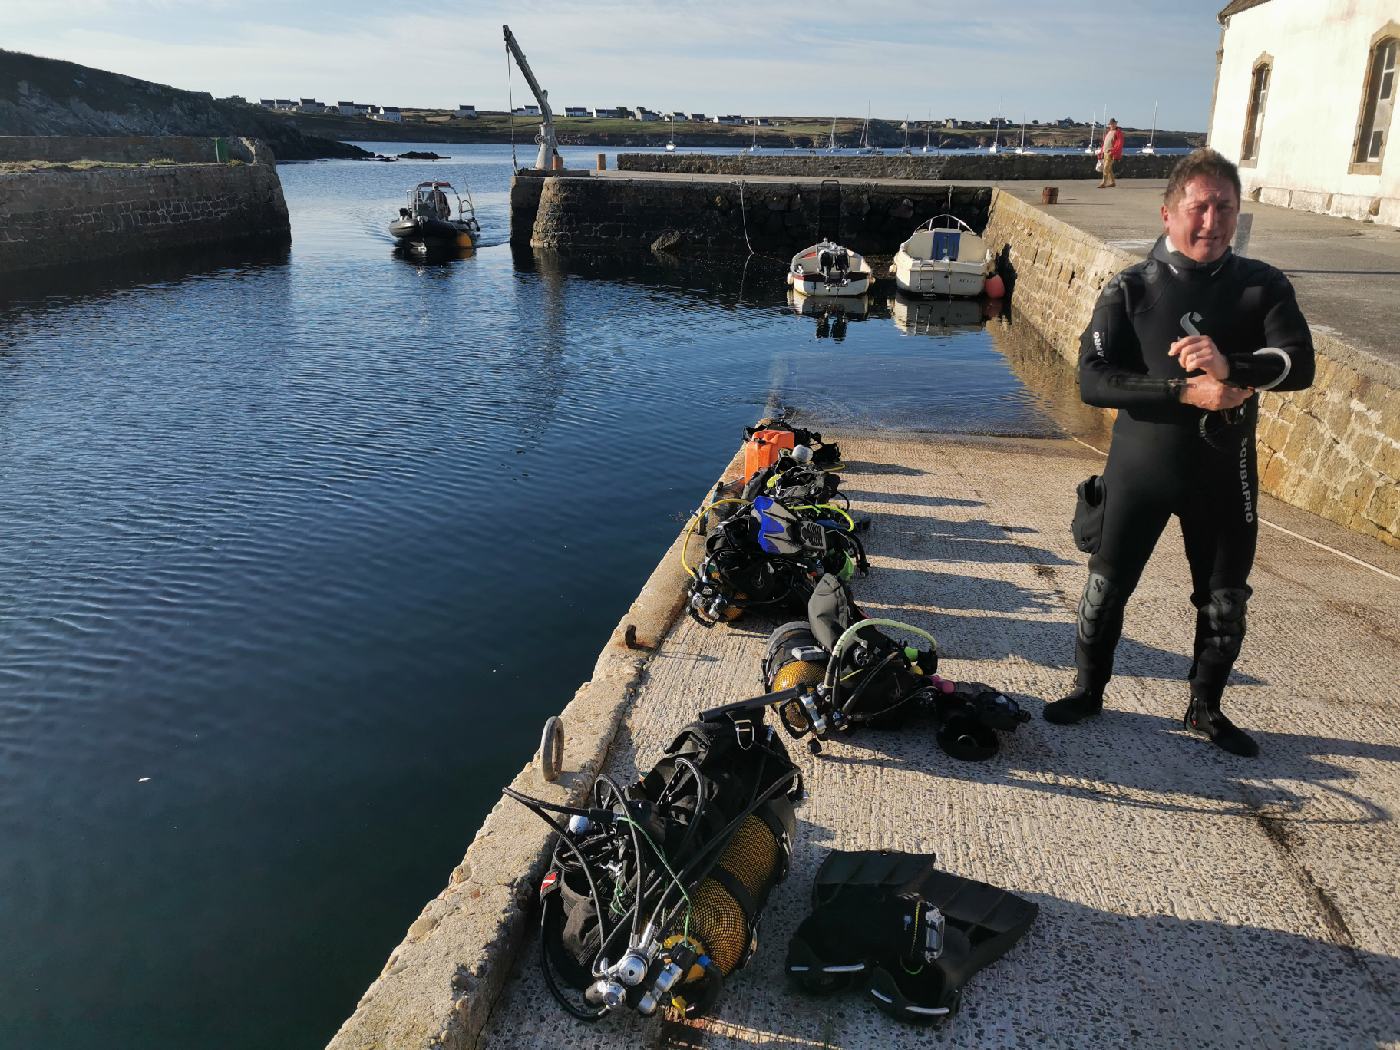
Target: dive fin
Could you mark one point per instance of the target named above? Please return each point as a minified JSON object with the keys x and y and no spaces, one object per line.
{"x":911,"y":934}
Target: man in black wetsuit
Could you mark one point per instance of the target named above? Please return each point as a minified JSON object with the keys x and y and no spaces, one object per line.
{"x":1179,"y":344}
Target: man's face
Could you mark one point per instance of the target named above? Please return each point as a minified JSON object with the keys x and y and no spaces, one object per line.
{"x":1201,"y":222}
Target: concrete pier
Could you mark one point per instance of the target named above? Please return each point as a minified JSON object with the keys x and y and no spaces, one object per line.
{"x":1169,"y":875}
{"x":1187,"y":897}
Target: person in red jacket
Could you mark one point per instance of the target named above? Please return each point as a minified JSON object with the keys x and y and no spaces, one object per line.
{"x":1110,"y":151}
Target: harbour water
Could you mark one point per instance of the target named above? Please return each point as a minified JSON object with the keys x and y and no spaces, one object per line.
{"x":299,"y":551}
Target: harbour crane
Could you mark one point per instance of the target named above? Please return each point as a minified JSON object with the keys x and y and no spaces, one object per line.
{"x":545,"y":138}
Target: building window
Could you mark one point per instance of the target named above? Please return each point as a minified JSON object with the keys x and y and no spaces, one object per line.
{"x":1254,"y":116}
{"x":1378,"y":103}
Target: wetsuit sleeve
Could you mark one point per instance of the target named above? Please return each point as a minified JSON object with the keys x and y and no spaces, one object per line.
{"x":1285,"y":330}
{"x":1111,"y":369}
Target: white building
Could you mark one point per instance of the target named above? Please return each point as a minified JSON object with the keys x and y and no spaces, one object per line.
{"x":601,"y":112}
{"x":310,"y":105}
{"x":466,"y":111}
{"x":389,"y":113}
{"x":526,"y":111}
{"x":576,"y":111}
{"x":1305,"y":103}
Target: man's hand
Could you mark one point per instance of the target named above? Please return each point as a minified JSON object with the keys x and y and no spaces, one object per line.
{"x":1211,"y":394}
{"x":1198,"y":353}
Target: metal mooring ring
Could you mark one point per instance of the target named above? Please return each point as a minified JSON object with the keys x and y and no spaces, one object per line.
{"x":551,"y":755}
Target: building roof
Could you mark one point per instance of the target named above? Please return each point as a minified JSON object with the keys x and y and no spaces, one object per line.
{"x":1235,"y":7}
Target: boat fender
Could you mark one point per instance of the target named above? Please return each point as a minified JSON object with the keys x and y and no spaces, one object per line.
{"x":996,"y":287}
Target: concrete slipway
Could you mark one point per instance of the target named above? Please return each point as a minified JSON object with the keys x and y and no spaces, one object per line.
{"x":1188,"y":898}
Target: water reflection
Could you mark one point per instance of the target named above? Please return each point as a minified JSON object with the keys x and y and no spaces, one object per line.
{"x":935,"y":317}
{"x":832,"y":313}
{"x":55,"y":286}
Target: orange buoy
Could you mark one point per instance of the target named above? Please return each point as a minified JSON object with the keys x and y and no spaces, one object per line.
{"x":996,"y":287}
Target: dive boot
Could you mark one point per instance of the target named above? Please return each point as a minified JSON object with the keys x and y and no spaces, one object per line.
{"x":1205,"y":719}
{"x":1081,"y":703}
{"x":913,"y":935}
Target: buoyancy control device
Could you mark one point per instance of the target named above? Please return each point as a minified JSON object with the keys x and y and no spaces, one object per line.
{"x":907,"y":934}
{"x":838,"y":670}
{"x":769,"y":555}
{"x":653,"y":894}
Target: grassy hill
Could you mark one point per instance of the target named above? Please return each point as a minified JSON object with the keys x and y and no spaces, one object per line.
{"x":46,"y":96}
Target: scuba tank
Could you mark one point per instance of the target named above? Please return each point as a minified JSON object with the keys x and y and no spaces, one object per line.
{"x":653,"y":896}
{"x":873,"y":680}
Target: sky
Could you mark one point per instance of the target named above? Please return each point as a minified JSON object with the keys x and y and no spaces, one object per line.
{"x":1046,"y":59}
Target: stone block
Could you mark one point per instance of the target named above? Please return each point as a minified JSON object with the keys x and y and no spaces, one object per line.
{"x":1383,"y":508}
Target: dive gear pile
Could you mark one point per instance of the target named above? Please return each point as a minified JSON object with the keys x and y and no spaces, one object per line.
{"x":909,"y":935}
{"x":776,"y":532}
{"x":653,"y":895}
{"x":654,"y":891}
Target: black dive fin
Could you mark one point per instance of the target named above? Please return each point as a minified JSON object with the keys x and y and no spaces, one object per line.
{"x":871,"y":868}
{"x":982,"y":923}
{"x":866,"y":904}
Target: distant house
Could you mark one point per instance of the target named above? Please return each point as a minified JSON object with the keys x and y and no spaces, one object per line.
{"x":758,"y":122}
{"x":466,"y":111}
{"x":952,"y":122}
{"x":268,"y":103}
{"x":576,"y":111}
{"x":526,"y":111}
{"x":732,"y":119}
{"x":389,"y":113}
{"x":346,"y":109}
{"x":1305,"y":104}
{"x":284,"y":104}
{"x":310,"y":105}
{"x":698,"y":118}
{"x":676,"y":117}
{"x":642,"y":113}
{"x":1067,"y":122}
{"x":604,"y":112}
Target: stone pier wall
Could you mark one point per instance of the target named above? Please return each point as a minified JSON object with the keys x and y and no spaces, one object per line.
{"x":56,"y":217}
{"x":1333,"y":449}
{"x":954,"y":166}
{"x":129,"y":149}
{"x":681,"y":217}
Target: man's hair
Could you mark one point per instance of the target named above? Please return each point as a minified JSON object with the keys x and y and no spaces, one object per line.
{"x":1200,"y":163}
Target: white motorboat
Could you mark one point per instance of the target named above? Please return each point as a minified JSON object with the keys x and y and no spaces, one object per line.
{"x":942,"y":257}
{"x":829,"y":270}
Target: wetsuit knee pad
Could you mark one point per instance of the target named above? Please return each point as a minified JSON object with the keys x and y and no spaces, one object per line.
{"x":1221,"y":624}
{"x":1100,"y":609}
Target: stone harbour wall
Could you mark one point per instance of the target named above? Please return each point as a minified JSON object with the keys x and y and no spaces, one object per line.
{"x":955,"y":166}
{"x":129,"y":149}
{"x":1333,"y":449}
{"x":682,"y":217}
{"x":55,"y":217}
